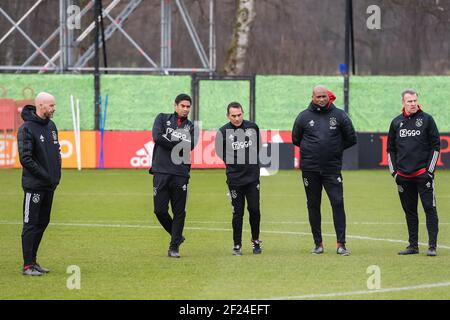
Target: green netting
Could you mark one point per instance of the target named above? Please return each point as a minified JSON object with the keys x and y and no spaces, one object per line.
{"x":215,"y":95}
{"x":134,"y":101}
{"x":375,"y":101}
{"x":279,"y":99}
{"x":61,"y":86}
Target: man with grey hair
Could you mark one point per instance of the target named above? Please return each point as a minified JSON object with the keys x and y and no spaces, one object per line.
{"x":413,"y":150}
{"x":39,"y":153}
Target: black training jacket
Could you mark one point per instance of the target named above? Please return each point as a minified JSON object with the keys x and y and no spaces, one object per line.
{"x":167,"y":135}
{"x":322,"y":135}
{"x":39,"y":152}
{"x":413,"y":143}
{"x":239,"y":148}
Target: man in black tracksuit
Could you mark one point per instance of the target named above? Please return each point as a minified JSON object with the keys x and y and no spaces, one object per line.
{"x":39,"y":153}
{"x":323,"y":132}
{"x":174,"y":139}
{"x":413,"y":150}
{"x":238,"y":145}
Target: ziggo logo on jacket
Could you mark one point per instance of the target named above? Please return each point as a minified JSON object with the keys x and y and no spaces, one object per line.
{"x":178,"y":134}
{"x":409,"y":133}
{"x":241,"y":145}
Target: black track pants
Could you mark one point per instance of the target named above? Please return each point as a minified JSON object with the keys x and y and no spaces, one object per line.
{"x":409,"y":190}
{"x":332,"y":183}
{"x":238,"y":194}
{"x":37,"y":206}
{"x":174,"y":189}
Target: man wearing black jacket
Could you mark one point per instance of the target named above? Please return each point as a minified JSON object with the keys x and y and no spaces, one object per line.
{"x":174,"y":139}
{"x":39,"y":153}
{"x":323,"y":132}
{"x":413,"y":150}
{"x":238,"y":145}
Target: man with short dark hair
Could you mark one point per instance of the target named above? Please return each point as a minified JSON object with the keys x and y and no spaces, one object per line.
{"x":323,"y":132}
{"x":174,"y":139}
{"x":39,"y":153}
{"x":238,"y":144}
{"x":413,"y":150}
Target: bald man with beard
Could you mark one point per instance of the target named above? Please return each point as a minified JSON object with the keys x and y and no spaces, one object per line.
{"x":39,"y":153}
{"x":323,"y":132}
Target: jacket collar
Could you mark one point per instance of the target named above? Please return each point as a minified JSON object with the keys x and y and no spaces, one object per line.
{"x":411,"y":115}
{"x":29,"y":114}
{"x":318,"y":109}
{"x":179,"y":120}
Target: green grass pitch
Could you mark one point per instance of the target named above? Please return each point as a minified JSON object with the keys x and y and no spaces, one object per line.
{"x":102,"y":221}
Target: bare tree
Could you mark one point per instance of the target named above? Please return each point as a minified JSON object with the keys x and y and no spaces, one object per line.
{"x":237,"y":51}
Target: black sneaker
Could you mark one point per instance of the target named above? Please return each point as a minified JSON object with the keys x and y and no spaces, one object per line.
{"x":342,"y":250}
{"x":318,"y":249}
{"x":256,"y":244}
{"x":31,"y":271}
{"x":409,"y":250}
{"x":173,"y":253}
{"x":237,"y":250}
{"x":41,"y":269}
{"x":432,"y":252}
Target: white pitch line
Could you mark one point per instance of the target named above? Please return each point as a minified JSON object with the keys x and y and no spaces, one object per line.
{"x":308,"y":296}
{"x":364,"y":292}
{"x":199,"y":194}
{"x":354,"y":237}
{"x":89,"y":225}
{"x":262,"y":222}
{"x":307,"y":222}
{"x":98,"y":225}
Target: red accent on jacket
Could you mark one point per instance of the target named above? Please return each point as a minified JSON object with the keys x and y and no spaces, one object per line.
{"x":414,"y":174}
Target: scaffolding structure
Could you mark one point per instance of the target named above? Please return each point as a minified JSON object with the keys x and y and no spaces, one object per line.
{"x":64,"y":59}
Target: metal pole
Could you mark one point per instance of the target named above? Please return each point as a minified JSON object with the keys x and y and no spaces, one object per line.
{"x":347,"y":56}
{"x":20,"y":21}
{"x":42,"y":46}
{"x":163,"y":34}
{"x":112,"y":5}
{"x":16,"y":26}
{"x":97,"y":13}
{"x":115,"y":25}
{"x":192,"y":32}
{"x":69,"y":39}
{"x":127,"y":69}
{"x":169,"y":34}
{"x":102,"y":25}
{"x":212,"y":36}
{"x":352,"y":37}
{"x":253,"y":98}
{"x":195,"y":96}
{"x":62,"y":35}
